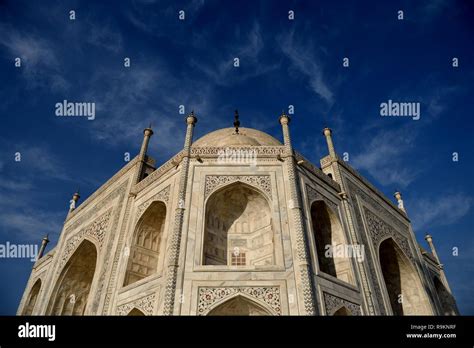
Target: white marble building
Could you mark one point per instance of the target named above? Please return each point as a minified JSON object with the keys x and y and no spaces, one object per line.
{"x":237,"y":223}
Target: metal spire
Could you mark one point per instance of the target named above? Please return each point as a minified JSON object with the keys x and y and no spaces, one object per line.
{"x":236,"y":121}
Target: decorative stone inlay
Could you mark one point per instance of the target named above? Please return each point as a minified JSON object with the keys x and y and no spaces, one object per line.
{"x":260,"y":150}
{"x":95,"y":230}
{"x":118,"y":252}
{"x":117,"y":176}
{"x":314,"y":195}
{"x":333,"y":303}
{"x":325,"y":161}
{"x":174,"y":241}
{"x":159,"y":172}
{"x":121,"y":192}
{"x":379,"y":230}
{"x":208,"y":296}
{"x":146,"y":304}
{"x":97,"y":207}
{"x":163,"y":196}
{"x":354,"y":192}
{"x":215,"y":181}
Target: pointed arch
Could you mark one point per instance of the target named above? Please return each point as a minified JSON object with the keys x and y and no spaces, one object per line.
{"x":239,"y":305}
{"x":343,"y":311}
{"x":145,"y":249}
{"x":238,"y":227}
{"x":446,"y":300}
{"x":32,"y":297}
{"x":327,"y":231}
{"x":403,"y":285}
{"x":71,"y":293}
{"x":135,"y":312}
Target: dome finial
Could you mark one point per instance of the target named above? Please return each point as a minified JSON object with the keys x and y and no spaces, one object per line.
{"x":236,"y":121}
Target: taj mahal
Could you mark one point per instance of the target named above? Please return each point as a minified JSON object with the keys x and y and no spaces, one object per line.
{"x":237,"y":223}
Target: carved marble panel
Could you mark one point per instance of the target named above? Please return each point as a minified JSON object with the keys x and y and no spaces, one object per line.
{"x":95,"y":230}
{"x":163,"y":196}
{"x":97,"y":207}
{"x":354,"y":192}
{"x":121,"y":191}
{"x":213,"y":182}
{"x":380,"y":230}
{"x":208,"y":296}
{"x":314,"y":195}
{"x":146,"y":304}
{"x":333,"y":303}
{"x":260,"y":150}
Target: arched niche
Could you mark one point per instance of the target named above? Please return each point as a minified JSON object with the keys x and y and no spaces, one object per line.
{"x":74,"y":283}
{"x":239,"y":306}
{"x":238,"y":228}
{"x":135,"y":312}
{"x":32,"y":297}
{"x":327,"y":231}
{"x":404,"y":288}
{"x":445,"y":298}
{"x":145,"y":249}
{"x":343,"y":311}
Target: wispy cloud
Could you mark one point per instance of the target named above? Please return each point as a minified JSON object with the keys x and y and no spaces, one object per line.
{"x":128,"y":100}
{"x":105,"y":35}
{"x":30,"y":224}
{"x":22,"y":216}
{"x":147,"y":17}
{"x":429,"y":10}
{"x":43,"y":162}
{"x":36,"y":162}
{"x":439,"y":211}
{"x":39,"y":63}
{"x":221,"y":70}
{"x":304,"y":59}
{"x":384,"y":156}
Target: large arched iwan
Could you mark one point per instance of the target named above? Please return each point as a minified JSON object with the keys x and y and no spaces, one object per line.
{"x":71,"y":293}
{"x":329,"y":236}
{"x":404,"y":288}
{"x":238,"y":228}
{"x":32,"y":297}
{"x":145,"y":249}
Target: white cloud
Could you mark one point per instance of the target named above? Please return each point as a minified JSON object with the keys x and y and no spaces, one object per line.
{"x":14,"y":185}
{"x":149,"y":19}
{"x":39,"y":62}
{"x":442,"y":210}
{"x":21,"y":217}
{"x":103,"y":35}
{"x":305,"y":60}
{"x":221,"y":70}
{"x":37,"y":162}
{"x":42,"y":162}
{"x":384,"y":156}
{"x":31,"y":225}
{"x":127,"y":101}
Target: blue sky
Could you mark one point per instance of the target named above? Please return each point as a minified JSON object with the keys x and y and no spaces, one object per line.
{"x":282,"y":63}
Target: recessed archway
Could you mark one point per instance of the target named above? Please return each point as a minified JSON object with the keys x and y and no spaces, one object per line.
{"x":327,"y":231}
{"x":404,"y":288}
{"x":239,"y":306}
{"x":74,"y":283}
{"x":135,"y":312}
{"x":343,"y":311}
{"x":238,"y":228}
{"x":145,"y":250}
{"x":32,"y":297}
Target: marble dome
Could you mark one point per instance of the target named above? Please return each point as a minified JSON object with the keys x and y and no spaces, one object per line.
{"x":227,"y":137}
